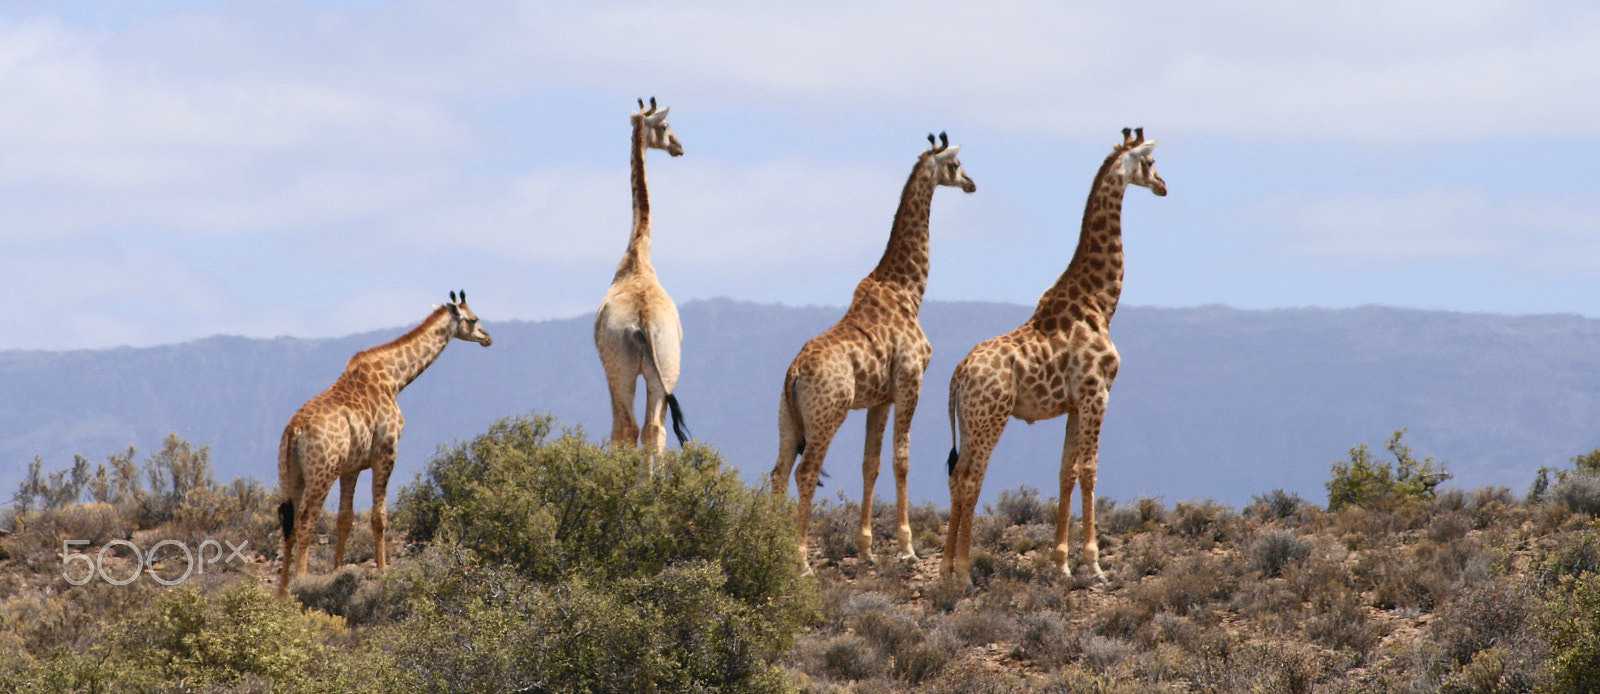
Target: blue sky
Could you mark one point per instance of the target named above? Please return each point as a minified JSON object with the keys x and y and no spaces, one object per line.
{"x":170,"y":171}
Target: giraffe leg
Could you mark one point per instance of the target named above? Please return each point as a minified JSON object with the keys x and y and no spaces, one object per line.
{"x":806,"y":475}
{"x":872,"y":457}
{"x":381,"y":468}
{"x":653,"y":437}
{"x":347,"y":515}
{"x":1069,"y":479}
{"x":623,"y":429}
{"x":905,"y":407}
{"x":1093,"y":413}
{"x":978,"y":440}
{"x":316,"y":491}
{"x":982,"y":405}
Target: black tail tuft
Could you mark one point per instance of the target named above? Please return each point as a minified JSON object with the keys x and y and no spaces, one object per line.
{"x":950,"y":463}
{"x":678,"y":428}
{"x":800,"y":446}
{"x":286,"y":518}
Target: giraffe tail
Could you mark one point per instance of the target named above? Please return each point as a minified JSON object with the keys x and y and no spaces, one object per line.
{"x":679,"y":429}
{"x":955,"y":442}
{"x":291,"y":480}
{"x":286,"y":517}
{"x":791,"y":391}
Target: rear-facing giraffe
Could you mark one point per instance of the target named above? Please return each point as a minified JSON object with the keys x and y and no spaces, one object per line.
{"x":1059,"y":362}
{"x":352,"y":426}
{"x":636,"y":329}
{"x":872,"y":358}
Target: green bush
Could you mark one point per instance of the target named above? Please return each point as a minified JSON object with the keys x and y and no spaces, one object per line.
{"x":238,"y":638}
{"x":1570,"y":620}
{"x":476,"y":627}
{"x":686,"y":578}
{"x":1371,"y":483}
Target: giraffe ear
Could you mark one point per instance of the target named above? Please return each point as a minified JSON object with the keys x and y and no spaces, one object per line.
{"x":947,"y":153}
{"x":1143,"y":148}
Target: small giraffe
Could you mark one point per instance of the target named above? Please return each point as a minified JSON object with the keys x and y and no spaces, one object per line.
{"x":1060,"y":361}
{"x":872,"y":358}
{"x":636,"y":329}
{"x":352,"y":426}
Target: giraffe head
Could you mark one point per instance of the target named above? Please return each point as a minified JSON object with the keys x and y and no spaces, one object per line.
{"x":657,"y":134}
{"x":945,"y":167}
{"x":1135,"y":162}
{"x":464,"y":322}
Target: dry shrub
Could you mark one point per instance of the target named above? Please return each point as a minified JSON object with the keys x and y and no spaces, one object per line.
{"x":1344,"y":626}
{"x":981,"y":628}
{"x":1161,"y":663}
{"x":1277,"y":505}
{"x":1267,"y":668}
{"x":43,"y":533}
{"x":1192,"y":582}
{"x":1578,"y":490}
{"x":1495,"y":619}
{"x":945,"y":593}
{"x":1206,"y":521}
{"x":972,"y":680}
{"x":1270,"y":604}
{"x":1574,"y":555}
{"x":1021,"y":506}
{"x":1104,"y":653}
{"x":1421,"y":577}
{"x":885,"y":628}
{"x":1449,"y":527}
{"x":1147,"y":554}
{"x":1490,"y":506}
{"x":834,"y":526}
{"x":1319,"y":578}
{"x":851,"y":658}
{"x":927,"y":659}
{"x":1123,"y":619}
{"x":1046,"y":640}
{"x":1276,"y":549}
{"x":348,"y":592}
{"x":927,"y":521}
{"x":1168,"y":628}
{"x":1145,"y":514}
{"x":1078,"y":679}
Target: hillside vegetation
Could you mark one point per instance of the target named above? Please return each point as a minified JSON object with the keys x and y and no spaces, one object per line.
{"x":1210,"y":402}
{"x":533,"y":560}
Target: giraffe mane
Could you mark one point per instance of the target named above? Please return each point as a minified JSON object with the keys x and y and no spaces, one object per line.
{"x":410,"y":334}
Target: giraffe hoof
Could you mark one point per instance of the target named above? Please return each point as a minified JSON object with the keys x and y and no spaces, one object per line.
{"x":909,"y":556}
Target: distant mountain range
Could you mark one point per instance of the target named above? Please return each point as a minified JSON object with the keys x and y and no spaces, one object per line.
{"x":1211,"y":402}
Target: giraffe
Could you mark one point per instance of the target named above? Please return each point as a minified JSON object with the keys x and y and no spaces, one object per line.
{"x":1060,"y":361}
{"x":352,"y":426}
{"x":636,"y":329}
{"x":873,"y":358}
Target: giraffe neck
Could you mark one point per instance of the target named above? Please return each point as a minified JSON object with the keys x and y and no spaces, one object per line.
{"x":402,"y":360}
{"x":1092,"y":282}
{"x":637,"y":257}
{"x":905,"y":260}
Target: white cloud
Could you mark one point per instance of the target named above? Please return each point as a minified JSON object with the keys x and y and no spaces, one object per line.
{"x":1531,"y":231}
{"x":356,"y":139}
